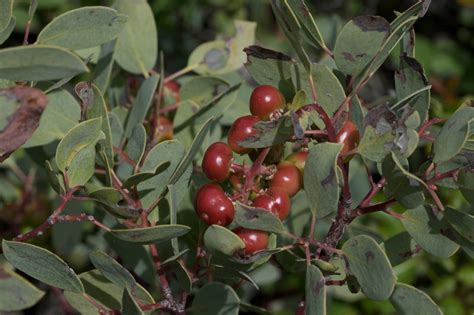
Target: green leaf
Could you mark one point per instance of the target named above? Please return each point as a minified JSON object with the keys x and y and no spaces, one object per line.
{"x":193,"y":150}
{"x":173,"y":215}
{"x":116,"y":128}
{"x":221,"y":240}
{"x":217,"y":299}
{"x":409,"y":300}
{"x":292,"y":29}
{"x":150,"y":235}
{"x":39,"y":63}
{"x":104,"y":292}
{"x":137,"y":44}
{"x":466,"y":184}
{"x":137,"y":178}
{"x":257,"y":219}
{"x":112,"y":270}
{"x":62,"y":113}
{"x":142,"y":103}
{"x":307,"y":22}
{"x":320,"y":178}
{"x":462,"y":222}
{"x":369,"y":264}
{"x":453,"y":135}
{"x":6,"y":32}
{"x":269,"y":67}
{"x":329,"y":91}
{"x":17,"y":293}
{"x":359,"y":182}
{"x":400,"y":248}
{"x":375,"y":145}
{"x":359,"y":41}
{"x":405,"y":187}
{"x":109,"y":200}
{"x":6,"y":10}
{"x":270,"y":133}
{"x":105,"y":63}
{"x":223,"y":56}
{"x":82,"y":166}
{"x":410,"y":78}
{"x":42,"y":265}
{"x":78,"y":138}
{"x":129,"y":305}
{"x":83,"y":28}
{"x":203,"y":98}
{"x":399,"y":27}
{"x":99,"y":109}
{"x":315,"y":291}
{"x":427,"y":231}
{"x":166,"y":151}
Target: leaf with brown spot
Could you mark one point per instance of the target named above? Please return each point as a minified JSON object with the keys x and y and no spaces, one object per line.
{"x":24,"y":121}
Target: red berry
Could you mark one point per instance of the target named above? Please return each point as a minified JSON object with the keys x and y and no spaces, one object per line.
{"x":254,"y":240}
{"x":288,"y":178}
{"x":216,"y":161}
{"x":240,"y":130}
{"x":213,"y":206}
{"x":349,"y":136}
{"x":265,"y":100}
{"x":173,"y":88}
{"x":164,"y":129}
{"x":274,"y":200}
{"x":298,"y":159}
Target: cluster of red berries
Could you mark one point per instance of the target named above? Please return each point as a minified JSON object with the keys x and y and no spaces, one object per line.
{"x":214,"y":206}
{"x":272,"y":187}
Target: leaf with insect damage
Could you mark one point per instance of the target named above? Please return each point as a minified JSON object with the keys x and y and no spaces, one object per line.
{"x":22,"y":123}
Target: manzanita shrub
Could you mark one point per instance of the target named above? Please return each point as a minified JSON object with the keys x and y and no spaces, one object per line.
{"x":180,"y":187}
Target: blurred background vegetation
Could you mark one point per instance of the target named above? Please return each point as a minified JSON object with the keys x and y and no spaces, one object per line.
{"x":444,"y":45}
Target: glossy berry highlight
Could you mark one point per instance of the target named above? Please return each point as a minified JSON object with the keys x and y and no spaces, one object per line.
{"x":265,"y":100}
{"x":288,"y":178}
{"x":240,"y":130}
{"x":213,"y":206}
{"x":349,"y":137}
{"x":275,"y":200}
{"x":217,"y":161}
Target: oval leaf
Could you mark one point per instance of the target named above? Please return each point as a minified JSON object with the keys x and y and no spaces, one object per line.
{"x":315,"y":292}
{"x":42,"y":265}
{"x":370,"y":266}
{"x":219,"y":239}
{"x":77,"y":139}
{"x":217,"y":299}
{"x":39,"y":63}
{"x":258,"y":219}
{"x":6,"y":8}
{"x":150,"y":235}
{"x":104,"y":292}
{"x":17,"y":293}
{"x":112,"y":270}
{"x":137,"y":45}
{"x":83,"y":28}
{"x":453,"y":135}
{"x":141,"y":104}
{"x":427,"y":231}
{"x":320,"y":178}
{"x":359,"y":41}
{"x":409,"y":300}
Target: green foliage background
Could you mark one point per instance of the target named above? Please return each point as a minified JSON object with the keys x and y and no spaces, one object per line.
{"x":444,"y":45}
